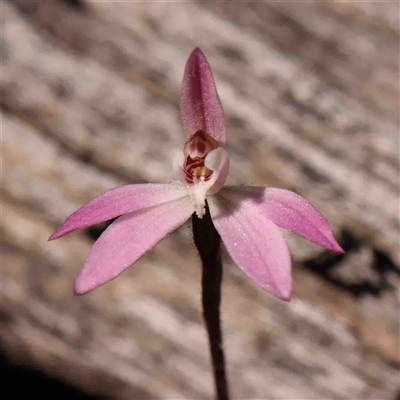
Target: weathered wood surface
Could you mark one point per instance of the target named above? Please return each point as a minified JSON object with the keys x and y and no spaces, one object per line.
{"x":90,"y":100}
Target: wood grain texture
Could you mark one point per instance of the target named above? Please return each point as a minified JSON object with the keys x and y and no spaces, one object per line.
{"x":90,"y":100}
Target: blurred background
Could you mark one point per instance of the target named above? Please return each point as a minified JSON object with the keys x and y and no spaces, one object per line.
{"x":90,"y":100}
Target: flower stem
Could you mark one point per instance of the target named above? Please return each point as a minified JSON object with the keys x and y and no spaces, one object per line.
{"x":208,"y":242}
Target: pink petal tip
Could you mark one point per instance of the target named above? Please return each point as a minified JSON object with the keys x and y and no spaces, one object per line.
{"x":289,"y":211}
{"x":119,"y":201}
{"x":129,"y":238}
{"x":201,"y":108}
{"x":255,"y":244}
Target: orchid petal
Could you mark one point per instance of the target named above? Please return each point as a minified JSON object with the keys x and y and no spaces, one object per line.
{"x":201,"y":108}
{"x":127,"y":239}
{"x":287,"y":210}
{"x":255,"y":244}
{"x":118,"y":201}
{"x":218,"y":161}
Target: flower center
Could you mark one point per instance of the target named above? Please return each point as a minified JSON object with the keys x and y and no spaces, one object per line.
{"x":196,"y":149}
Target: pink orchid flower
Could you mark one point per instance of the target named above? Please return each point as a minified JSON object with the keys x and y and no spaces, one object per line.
{"x":246,"y":218}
